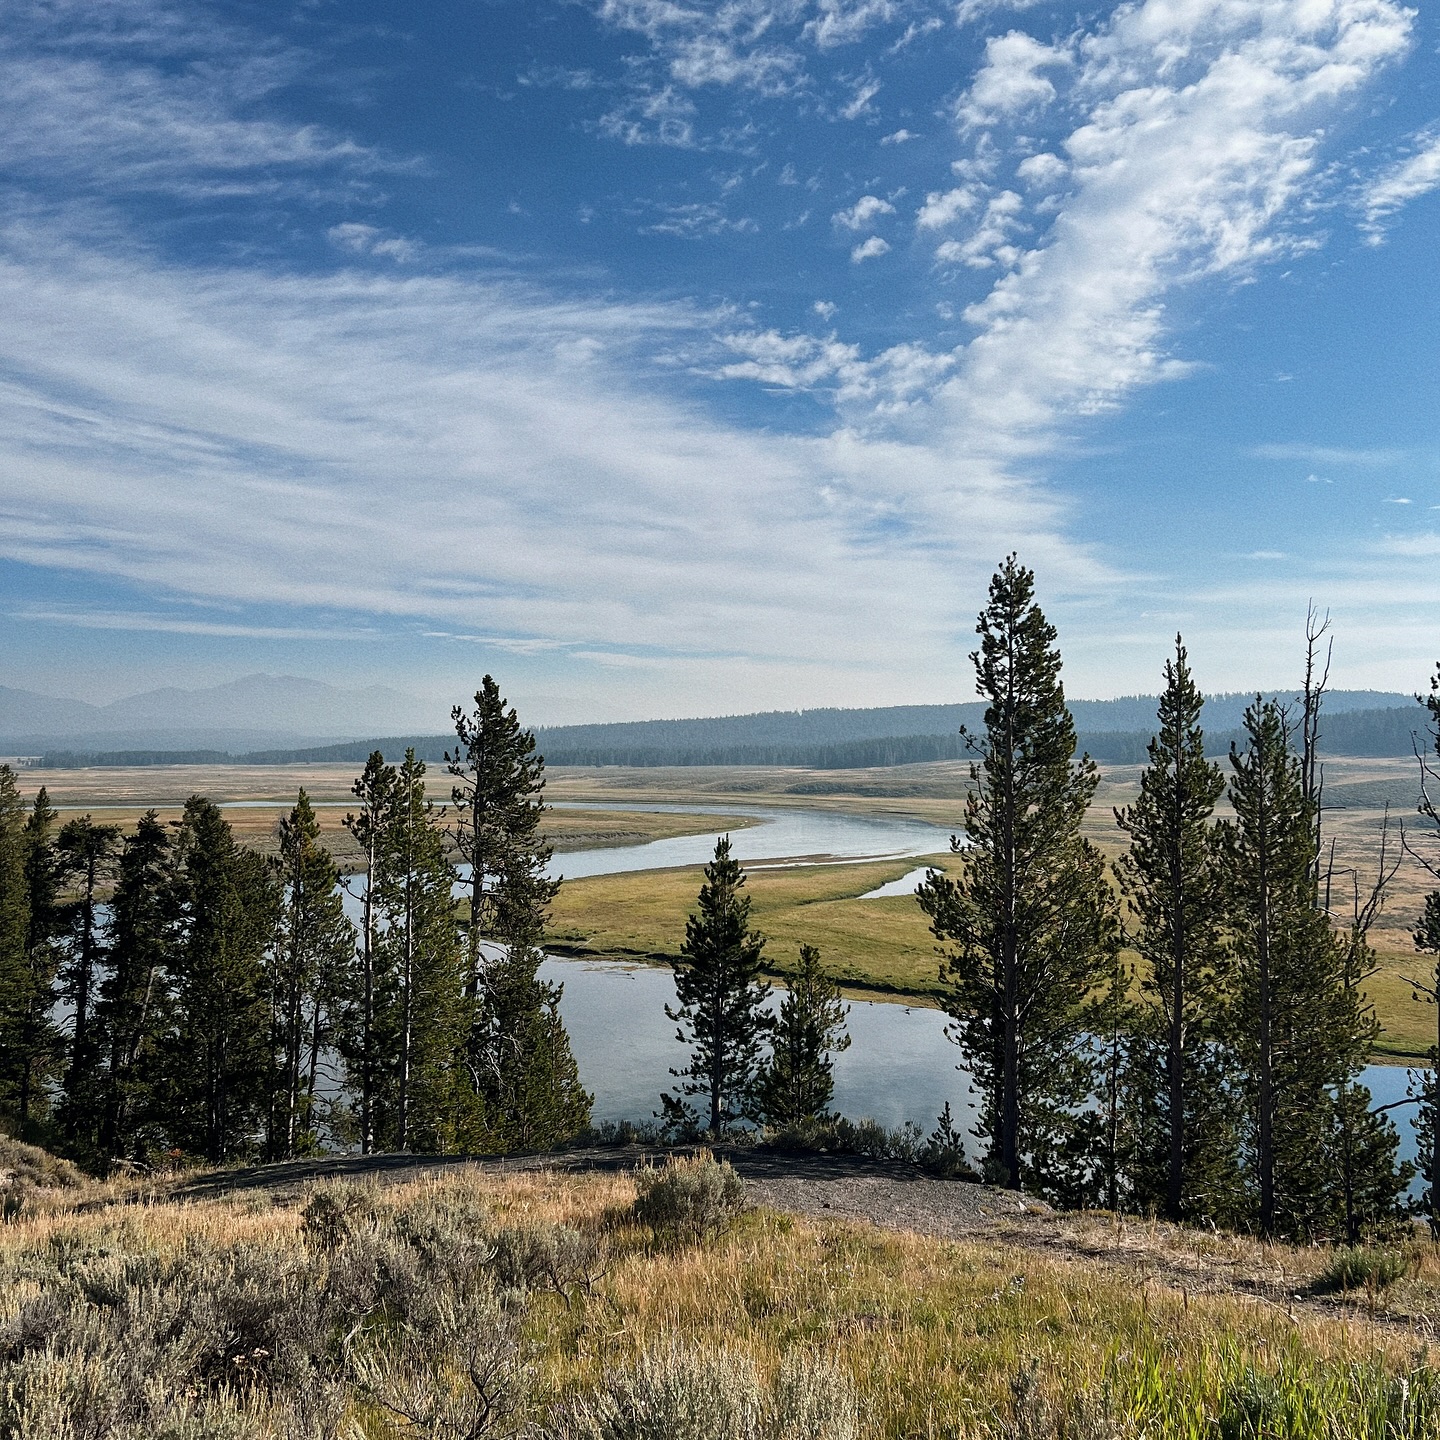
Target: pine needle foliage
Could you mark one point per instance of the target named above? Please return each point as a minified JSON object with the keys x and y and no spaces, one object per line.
{"x":1301,"y":1030}
{"x":519,"y":1051}
{"x":720,"y":1004}
{"x":1174,"y":881}
{"x":314,"y":947}
{"x":16,"y":987}
{"x":798,"y":1082}
{"x":1029,"y":926}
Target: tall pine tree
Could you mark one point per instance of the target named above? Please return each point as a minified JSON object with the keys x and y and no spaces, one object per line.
{"x":798,"y":1081}
{"x":359,"y":1040}
{"x":1172,"y":877}
{"x":520,"y":1053}
{"x":42,"y":1043}
{"x":133,"y":997}
{"x":720,"y":1004}
{"x":426,"y":1100}
{"x":1030,"y":923}
{"x":85,"y":860}
{"x":1300,"y":1031}
{"x":17,"y":997}
{"x":218,"y":1061}
{"x":313,"y":953}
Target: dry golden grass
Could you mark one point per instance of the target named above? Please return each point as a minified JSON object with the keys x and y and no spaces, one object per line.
{"x":931,"y":1331}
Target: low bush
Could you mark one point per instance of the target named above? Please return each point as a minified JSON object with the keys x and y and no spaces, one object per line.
{"x":549,"y":1257}
{"x":675,"y":1393}
{"x":333,"y":1208}
{"x":688,"y":1198}
{"x":1361,"y":1269}
{"x":941,"y":1153}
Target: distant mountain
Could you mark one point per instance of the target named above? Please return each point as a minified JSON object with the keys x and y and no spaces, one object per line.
{"x":249,"y":713}
{"x":1116,"y":731}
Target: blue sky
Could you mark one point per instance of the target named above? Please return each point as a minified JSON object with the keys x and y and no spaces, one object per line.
{"x":679,"y":357}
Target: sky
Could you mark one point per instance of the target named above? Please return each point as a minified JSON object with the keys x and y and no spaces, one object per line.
{"x":682,"y":357}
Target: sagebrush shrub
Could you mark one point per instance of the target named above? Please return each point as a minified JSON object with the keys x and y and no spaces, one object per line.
{"x":334,"y":1208}
{"x":1360,"y":1269}
{"x":688,"y":1198}
{"x":672,"y":1393}
{"x":548,"y":1257}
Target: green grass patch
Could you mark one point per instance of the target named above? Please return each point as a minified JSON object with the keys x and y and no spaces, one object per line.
{"x":882,"y":945}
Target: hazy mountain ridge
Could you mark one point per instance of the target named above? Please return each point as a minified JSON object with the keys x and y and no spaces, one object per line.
{"x":1117,"y":731}
{"x":252,"y":712}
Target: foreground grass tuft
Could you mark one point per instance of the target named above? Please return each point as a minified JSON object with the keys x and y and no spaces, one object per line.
{"x":482,"y":1305}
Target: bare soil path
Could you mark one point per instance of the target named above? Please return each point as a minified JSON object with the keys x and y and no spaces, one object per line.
{"x":895,"y":1196}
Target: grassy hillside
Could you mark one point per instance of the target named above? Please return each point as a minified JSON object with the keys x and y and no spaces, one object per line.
{"x":422,"y":1310}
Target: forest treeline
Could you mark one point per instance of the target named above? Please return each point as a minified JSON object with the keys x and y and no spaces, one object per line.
{"x":171,"y":992}
{"x":1111,"y":731}
{"x":1181,"y":1031}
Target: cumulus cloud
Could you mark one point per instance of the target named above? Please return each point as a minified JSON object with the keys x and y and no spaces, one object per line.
{"x":898,"y":137}
{"x":1043,"y":170}
{"x":870,"y":249}
{"x":1396,"y":187}
{"x":1011,"y":81}
{"x":863,"y":213}
{"x":943,"y":207}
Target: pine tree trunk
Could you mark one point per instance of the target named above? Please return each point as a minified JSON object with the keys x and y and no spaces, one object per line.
{"x":1010,"y":979}
{"x":1174,"y":1195}
{"x":1266,"y":1154}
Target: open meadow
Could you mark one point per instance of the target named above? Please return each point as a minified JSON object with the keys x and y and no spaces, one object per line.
{"x":881,"y":946}
{"x":476,"y":1301}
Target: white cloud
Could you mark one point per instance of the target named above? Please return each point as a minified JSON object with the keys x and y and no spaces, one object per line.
{"x":991,"y":242}
{"x":969,"y":11}
{"x":1399,"y":185}
{"x":1398,"y":500}
{"x":361,"y":239}
{"x":943,"y":207}
{"x":863,"y":213}
{"x":1010,"y":82}
{"x":658,"y":117}
{"x":841,"y":23}
{"x":696,"y":219}
{"x":825,"y":309}
{"x":870,"y":249}
{"x":898,"y":137}
{"x":859,"y":104}
{"x":1042,"y":171}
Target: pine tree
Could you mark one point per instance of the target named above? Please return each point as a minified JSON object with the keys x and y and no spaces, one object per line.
{"x":218,"y":1061}
{"x":519,"y":1051}
{"x":1300,"y":1032}
{"x":85,"y":861}
{"x":1173,"y":880}
{"x":1425,"y":1084}
{"x":427,"y":1102}
{"x":41,"y":1042}
{"x":798,"y":1081}
{"x":1030,"y":923}
{"x":133,"y":997}
{"x":313,"y":951}
{"x":15,"y":976}
{"x":359,"y":1038}
{"x":720,"y":1003}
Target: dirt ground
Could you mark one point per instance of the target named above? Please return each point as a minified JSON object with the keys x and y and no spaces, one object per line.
{"x":1158,"y":1257}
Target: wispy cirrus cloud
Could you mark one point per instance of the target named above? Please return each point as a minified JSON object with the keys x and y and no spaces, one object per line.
{"x":1388,"y":193}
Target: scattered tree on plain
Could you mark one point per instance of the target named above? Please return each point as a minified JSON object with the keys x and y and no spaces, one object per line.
{"x":1184,"y":1152}
{"x":519,"y":1052}
{"x":798,"y":1081}
{"x":1029,"y":925}
{"x":719,"y":1008}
